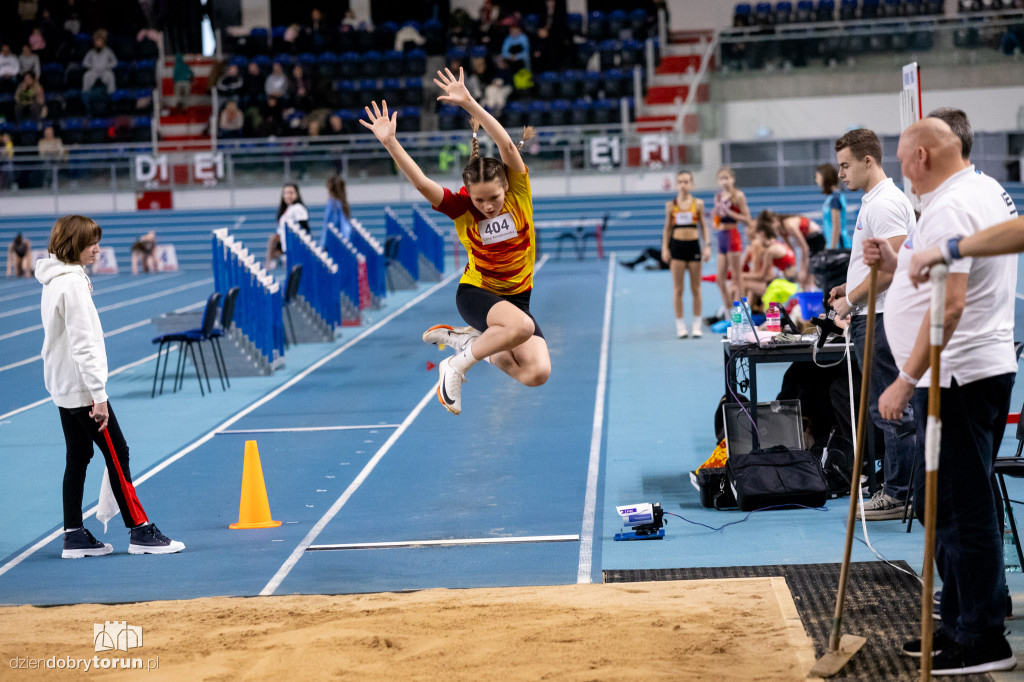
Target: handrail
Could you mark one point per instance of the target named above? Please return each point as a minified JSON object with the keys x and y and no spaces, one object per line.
{"x":691,"y":95}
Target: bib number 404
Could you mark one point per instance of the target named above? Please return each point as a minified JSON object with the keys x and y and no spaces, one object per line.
{"x":498,"y":229}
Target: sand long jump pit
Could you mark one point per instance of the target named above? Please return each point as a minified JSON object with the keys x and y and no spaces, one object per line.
{"x":731,"y":629}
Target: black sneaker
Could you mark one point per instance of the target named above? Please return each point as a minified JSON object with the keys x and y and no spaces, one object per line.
{"x":987,"y":655}
{"x":79,"y":543}
{"x":149,"y":540}
{"x":940,"y":640}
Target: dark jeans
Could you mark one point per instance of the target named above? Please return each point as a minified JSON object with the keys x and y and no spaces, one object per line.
{"x":900,"y":435}
{"x":80,"y":432}
{"x":968,"y":542}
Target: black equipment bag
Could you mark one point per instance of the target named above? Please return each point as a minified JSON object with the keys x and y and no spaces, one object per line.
{"x":836,"y":456}
{"x":829,"y":268}
{"x":713,"y":485}
{"x":775,"y":477}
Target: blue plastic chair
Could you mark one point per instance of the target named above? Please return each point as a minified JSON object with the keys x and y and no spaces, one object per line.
{"x":185,"y":341}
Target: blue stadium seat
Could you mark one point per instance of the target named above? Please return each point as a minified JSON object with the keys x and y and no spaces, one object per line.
{"x":741,"y":14}
{"x":287,"y":61}
{"x":26,"y":134}
{"x":368,"y":90}
{"x":591,"y":84}
{"x":326,"y":66}
{"x":54,"y":104}
{"x":348,"y":65}
{"x":81,"y":43}
{"x":478,"y":51}
{"x":582,"y":112}
{"x":632,"y":53}
{"x":259,"y":41}
{"x":847,"y":10}
{"x":52,"y":77}
{"x":141,"y":129}
{"x":409,"y":120}
{"x":277,"y":36}
{"x":347,"y":94}
{"x":350,"y":124}
{"x":143,"y":74}
{"x":123,"y":101}
{"x":638,"y":22}
{"x":616,"y":82}
{"x":413,"y":91}
{"x":763,"y":14}
{"x":72,"y":130}
{"x":547,"y":84}
{"x":606,"y":111}
{"x":560,"y":109}
{"x":574,"y":22}
{"x":538,"y":113}
{"x":783,"y":12}
{"x":570,"y":85}
{"x":307,"y":60}
{"x":391,"y":91}
{"x":123,"y":74}
{"x":73,"y":105}
{"x":433,"y":32}
{"x":597,"y":25}
{"x":869,"y":9}
{"x":73,"y":76}
{"x":514,"y":114}
{"x":458,"y":53}
{"x":393,"y":64}
{"x":415,"y":62}
{"x":97,"y":130}
{"x":239,"y":61}
{"x":826,"y":9}
{"x":449,"y":117}
{"x":618,"y":22}
{"x":530,"y":24}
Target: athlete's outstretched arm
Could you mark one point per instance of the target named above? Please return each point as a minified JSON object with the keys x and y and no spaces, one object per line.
{"x":1000,"y":239}
{"x":383,"y":127}
{"x":455,"y":92}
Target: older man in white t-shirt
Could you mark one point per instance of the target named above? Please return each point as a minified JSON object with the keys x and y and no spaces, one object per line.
{"x":885,"y":213}
{"x":977,"y":372}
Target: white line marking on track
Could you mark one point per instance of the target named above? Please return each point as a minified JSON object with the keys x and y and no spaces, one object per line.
{"x":594,"y":467}
{"x":238,"y":415}
{"x":122,"y":304}
{"x":311,"y":428}
{"x":106,"y":335}
{"x":296,"y":554}
{"x":36,"y":292}
{"x":445,"y":543}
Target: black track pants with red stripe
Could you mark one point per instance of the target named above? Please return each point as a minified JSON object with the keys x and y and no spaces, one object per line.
{"x":80,"y":432}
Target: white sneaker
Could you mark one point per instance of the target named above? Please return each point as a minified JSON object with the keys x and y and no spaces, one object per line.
{"x":697,"y":330}
{"x":449,"y":388}
{"x":681,"y":328}
{"x":446,"y":335}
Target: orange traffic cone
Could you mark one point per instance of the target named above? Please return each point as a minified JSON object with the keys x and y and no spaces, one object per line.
{"x":253,"y":509}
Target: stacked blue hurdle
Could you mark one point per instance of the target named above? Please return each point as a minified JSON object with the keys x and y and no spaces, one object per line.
{"x":376,"y":263}
{"x":355,"y":291}
{"x":430,"y":241}
{"x":258,"y":311}
{"x":320,"y":283}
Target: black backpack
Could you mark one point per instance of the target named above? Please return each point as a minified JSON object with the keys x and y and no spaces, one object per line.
{"x":836,"y":456}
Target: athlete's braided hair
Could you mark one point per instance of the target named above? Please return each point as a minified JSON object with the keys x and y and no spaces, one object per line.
{"x":484,"y":168}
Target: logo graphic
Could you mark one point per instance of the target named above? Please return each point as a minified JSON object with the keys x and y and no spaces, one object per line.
{"x":116,"y":635}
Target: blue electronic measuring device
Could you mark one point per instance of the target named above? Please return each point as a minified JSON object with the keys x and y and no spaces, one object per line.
{"x":644,"y":520}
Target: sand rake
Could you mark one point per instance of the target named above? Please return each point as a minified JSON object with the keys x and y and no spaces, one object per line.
{"x":932,"y":438}
{"x":841,"y":648}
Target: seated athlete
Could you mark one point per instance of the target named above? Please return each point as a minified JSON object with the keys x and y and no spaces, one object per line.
{"x":493,"y":214}
{"x":800,"y":234}
{"x":776,"y":260}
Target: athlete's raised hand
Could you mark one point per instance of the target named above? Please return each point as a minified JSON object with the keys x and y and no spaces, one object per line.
{"x":455,"y":90}
{"x":380,"y":123}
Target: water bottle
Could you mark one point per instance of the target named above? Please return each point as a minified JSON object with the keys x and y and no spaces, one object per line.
{"x":736,"y":327}
{"x":773,"y":318}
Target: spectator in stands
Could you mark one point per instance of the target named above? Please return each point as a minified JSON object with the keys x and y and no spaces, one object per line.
{"x":271,"y":118}
{"x":231,"y":120}
{"x":183,"y":77}
{"x":552,"y":35}
{"x":276,"y":84}
{"x":231,"y":84}
{"x":9,"y":70}
{"x":144,"y":253}
{"x":291,"y":37}
{"x":516,"y":47}
{"x":300,"y":89}
{"x":335,"y":125}
{"x":37,"y":41}
{"x":833,"y":211}
{"x":319,"y":34}
{"x":408,"y":34}
{"x":353,"y":23}
{"x":252,"y":86}
{"x":99,"y":64}
{"x":313,"y":127}
{"x":19,"y":257}
{"x":496,"y":95}
{"x":29,"y":61}
{"x":51,"y":147}
{"x":460,"y":28}
{"x":6,"y":160}
{"x":337,"y":212}
{"x":291,"y":212}
{"x":488,"y":26}
{"x":480,"y":74}
{"x":29,"y":99}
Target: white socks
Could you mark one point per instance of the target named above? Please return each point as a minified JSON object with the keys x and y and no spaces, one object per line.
{"x":461,"y":362}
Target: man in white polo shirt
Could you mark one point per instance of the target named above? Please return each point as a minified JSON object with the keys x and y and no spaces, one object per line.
{"x":885,"y":213}
{"x":977,"y":372}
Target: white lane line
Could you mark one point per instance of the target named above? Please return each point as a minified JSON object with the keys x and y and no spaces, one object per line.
{"x":297,"y":553}
{"x":312,"y":428}
{"x":114,"y":372}
{"x":115,"y":306}
{"x":445,"y":543}
{"x":97,"y":292}
{"x":106,"y":335}
{"x":238,"y":415}
{"x":594,"y":467}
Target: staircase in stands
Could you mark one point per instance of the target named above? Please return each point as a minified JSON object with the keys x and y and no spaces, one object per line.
{"x":673,"y":78}
{"x":192,"y":124}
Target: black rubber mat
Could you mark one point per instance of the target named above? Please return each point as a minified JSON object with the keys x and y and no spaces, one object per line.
{"x":882,"y":604}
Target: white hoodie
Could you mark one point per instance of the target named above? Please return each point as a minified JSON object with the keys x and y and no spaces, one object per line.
{"x":74,"y":357}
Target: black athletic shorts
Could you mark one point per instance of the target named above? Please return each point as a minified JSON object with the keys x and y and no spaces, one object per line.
{"x":474,"y":303}
{"x":688,"y":250}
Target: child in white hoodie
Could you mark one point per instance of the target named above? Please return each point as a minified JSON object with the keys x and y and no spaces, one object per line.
{"x":75,"y":372}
